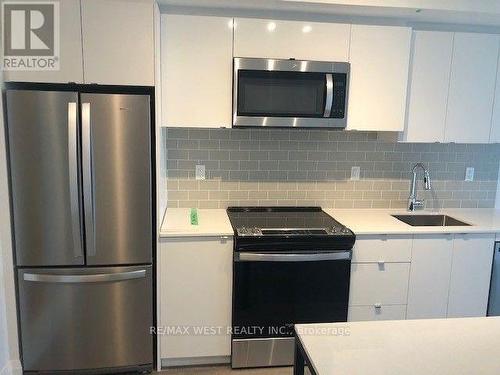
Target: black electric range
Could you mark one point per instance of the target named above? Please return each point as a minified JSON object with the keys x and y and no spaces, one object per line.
{"x":291,"y":265}
{"x":288,"y":229}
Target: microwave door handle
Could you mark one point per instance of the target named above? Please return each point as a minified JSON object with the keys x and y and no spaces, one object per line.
{"x":329,"y":95}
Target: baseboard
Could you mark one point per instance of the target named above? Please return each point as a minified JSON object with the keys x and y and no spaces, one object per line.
{"x":12,"y":368}
{"x":194,"y":361}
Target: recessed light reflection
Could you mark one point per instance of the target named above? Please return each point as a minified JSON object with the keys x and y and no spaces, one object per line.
{"x":303,"y":66}
{"x":270,"y":64}
{"x":307,"y":29}
{"x":271,"y":26}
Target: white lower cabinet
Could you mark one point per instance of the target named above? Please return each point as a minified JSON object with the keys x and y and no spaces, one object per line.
{"x":376,"y":312}
{"x":450,"y":276}
{"x":382,"y":248}
{"x":385,"y":284}
{"x":379,"y":277}
{"x":392,"y":278}
{"x":470,"y":275}
{"x":430,"y":277}
{"x":195,"y":279}
{"x":421,"y":276}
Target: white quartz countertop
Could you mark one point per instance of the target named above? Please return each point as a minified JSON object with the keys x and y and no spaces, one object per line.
{"x":214,"y":222}
{"x":211,"y":222}
{"x":404,"y":347}
{"x":380,"y":221}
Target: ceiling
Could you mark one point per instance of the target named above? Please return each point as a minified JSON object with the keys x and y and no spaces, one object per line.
{"x":463,"y":12}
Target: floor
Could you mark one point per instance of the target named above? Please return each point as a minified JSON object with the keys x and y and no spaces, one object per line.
{"x":226,"y":370}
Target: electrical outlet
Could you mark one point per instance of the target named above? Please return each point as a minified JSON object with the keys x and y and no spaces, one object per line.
{"x":469,"y":174}
{"x":200,"y":172}
{"x":355,"y":173}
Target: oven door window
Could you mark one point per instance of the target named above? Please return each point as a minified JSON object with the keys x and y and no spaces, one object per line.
{"x":269,"y":297}
{"x":281,"y":94}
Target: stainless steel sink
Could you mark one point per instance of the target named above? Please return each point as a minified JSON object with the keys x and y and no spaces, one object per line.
{"x":430,"y":220}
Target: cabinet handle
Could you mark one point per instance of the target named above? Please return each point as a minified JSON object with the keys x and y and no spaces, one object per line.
{"x":378,"y":306}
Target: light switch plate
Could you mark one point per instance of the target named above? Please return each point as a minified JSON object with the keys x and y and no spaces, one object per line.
{"x":469,"y":174}
{"x":355,"y":173}
{"x":200,"y":172}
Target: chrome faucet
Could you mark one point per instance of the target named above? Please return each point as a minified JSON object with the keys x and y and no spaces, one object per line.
{"x":413,"y":202}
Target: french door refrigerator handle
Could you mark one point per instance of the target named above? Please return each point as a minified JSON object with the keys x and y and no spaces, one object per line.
{"x":303,"y":257}
{"x":329,"y":95}
{"x":74,"y":279}
{"x":88,"y":185}
{"x":73,"y":179}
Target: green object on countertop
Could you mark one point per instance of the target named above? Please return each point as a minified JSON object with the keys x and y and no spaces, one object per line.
{"x":194,"y":216}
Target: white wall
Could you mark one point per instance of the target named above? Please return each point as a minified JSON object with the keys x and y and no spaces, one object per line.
{"x":9,"y":350}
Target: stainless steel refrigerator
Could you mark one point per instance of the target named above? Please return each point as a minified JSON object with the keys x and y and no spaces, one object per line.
{"x":81,"y":179}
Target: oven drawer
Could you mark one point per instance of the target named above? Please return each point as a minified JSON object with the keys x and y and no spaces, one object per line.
{"x":369,"y":249}
{"x":373,"y":283}
{"x":376,"y":312}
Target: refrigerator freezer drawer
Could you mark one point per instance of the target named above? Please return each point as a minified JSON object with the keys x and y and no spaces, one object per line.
{"x":82,"y":319}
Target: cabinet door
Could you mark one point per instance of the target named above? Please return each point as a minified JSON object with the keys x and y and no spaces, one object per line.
{"x":70,"y":50}
{"x":379,"y":58}
{"x":430,"y":79}
{"x":376,"y":312}
{"x":118,"y":45}
{"x":197,"y":69}
{"x":379,"y":284}
{"x":430,"y":277}
{"x":472,"y":88}
{"x":470,"y":275}
{"x":495,"y":119}
{"x":382,"y":248}
{"x":195,"y":292}
{"x":291,"y":39}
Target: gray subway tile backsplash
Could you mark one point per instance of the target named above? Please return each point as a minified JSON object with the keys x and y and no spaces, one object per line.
{"x":313,"y":167}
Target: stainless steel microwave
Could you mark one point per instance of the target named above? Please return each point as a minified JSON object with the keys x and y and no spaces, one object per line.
{"x":290,"y":93}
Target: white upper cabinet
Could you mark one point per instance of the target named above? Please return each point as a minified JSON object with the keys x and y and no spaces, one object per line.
{"x":472,"y":88}
{"x":495,"y":120}
{"x":379,"y":57}
{"x":197,"y":71}
{"x":429,"y":82}
{"x":71,"y":64}
{"x":118,"y":44}
{"x":291,"y":39}
{"x":470,"y":275}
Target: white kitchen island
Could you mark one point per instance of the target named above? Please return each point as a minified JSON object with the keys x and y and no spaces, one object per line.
{"x":415,"y":347}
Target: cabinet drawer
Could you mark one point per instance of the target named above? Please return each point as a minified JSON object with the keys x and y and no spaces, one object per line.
{"x":376,"y":312}
{"x":382,"y":248}
{"x":372,"y":283}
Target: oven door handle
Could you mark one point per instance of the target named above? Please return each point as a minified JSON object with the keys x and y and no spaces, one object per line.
{"x":302,"y":257}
